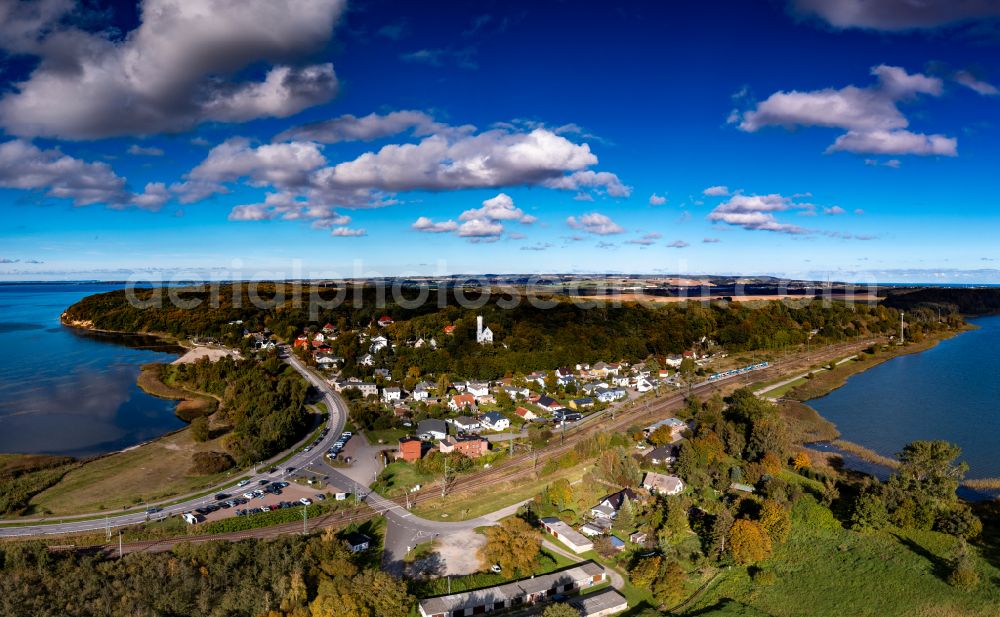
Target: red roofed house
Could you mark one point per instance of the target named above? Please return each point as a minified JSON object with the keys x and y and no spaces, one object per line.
{"x":449,"y":330}
{"x":461,"y":401}
{"x":411,"y":449}
{"x":385,"y":320}
{"x":301,"y":343}
{"x":525,"y":413}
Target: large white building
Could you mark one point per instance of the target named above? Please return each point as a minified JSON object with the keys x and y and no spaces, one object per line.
{"x":484,"y":336}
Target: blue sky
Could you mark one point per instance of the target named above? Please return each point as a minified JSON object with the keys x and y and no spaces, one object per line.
{"x":854,"y":140}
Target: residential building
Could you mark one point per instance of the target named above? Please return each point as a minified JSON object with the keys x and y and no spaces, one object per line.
{"x":431,"y":429}
{"x":411,"y":449}
{"x":662,"y":484}
{"x":581,"y":403}
{"x":366,"y":389}
{"x":385,"y":320}
{"x":478,"y":389}
{"x":661,"y":455}
{"x":466,"y":424}
{"x":609,"y":506}
{"x":676,"y":427}
{"x":525,"y":414}
{"x":549,"y":403}
{"x":422,"y":391}
{"x":523,"y":593}
{"x":366,"y":360}
{"x":472,"y":446}
{"x":515,"y":392}
{"x":391,"y":395}
{"x":572,"y":538}
{"x":357,"y":542}
{"x":462,"y":401}
{"x":378,"y":344}
{"x":495,"y":421}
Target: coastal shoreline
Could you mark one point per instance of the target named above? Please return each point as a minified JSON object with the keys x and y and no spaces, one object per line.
{"x":848,"y":370}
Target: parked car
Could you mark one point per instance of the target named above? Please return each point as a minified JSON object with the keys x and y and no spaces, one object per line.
{"x":305,"y":501}
{"x":242,"y":483}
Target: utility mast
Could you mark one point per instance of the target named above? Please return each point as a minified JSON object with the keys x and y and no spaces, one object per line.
{"x":902,"y":335}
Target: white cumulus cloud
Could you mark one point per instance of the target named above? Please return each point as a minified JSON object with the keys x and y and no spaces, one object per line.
{"x":595,"y":223}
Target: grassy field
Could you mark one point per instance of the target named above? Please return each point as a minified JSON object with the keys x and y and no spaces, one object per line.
{"x":150,"y":472}
{"x":836,"y":573}
{"x":470,"y":505}
{"x":397,"y":476}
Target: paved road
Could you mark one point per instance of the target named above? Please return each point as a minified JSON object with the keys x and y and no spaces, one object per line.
{"x":335,"y":422}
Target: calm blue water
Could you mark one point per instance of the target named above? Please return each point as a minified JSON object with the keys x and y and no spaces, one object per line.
{"x":63,"y":391}
{"x":950,"y":392}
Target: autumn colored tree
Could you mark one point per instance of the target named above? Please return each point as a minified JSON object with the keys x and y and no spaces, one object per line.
{"x":748,"y":542}
{"x":802,"y":461}
{"x":645,"y":571}
{"x":661,"y":436}
{"x":719,"y":534}
{"x":668,"y":587}
{"x":776,"y":521}
{"x":514,"y":544}
{"x":561,"y":494}
{"x":771,"y":463}
{"x":618,"y":467}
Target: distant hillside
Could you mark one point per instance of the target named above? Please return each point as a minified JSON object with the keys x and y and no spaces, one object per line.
{"x":979,"y":301}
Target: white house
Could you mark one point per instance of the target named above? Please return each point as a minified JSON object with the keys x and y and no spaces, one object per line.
{"x":378,"y":344}
{"x":465,"y":424}
{"x":515,"y":392}
{"x":495,"y":422}
{"x":422,"y":391}
{"x":643,"y":385}
{"x":366,"y":360}
{"x":391,"y":395}
{"x":484,"y":336}
{"x":662,"y":484}
{"x":478,"y":389}
{"x":367,"y":389}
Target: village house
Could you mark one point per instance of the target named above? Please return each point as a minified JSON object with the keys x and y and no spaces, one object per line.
{"x":366,"y":389}
{"x":367,"y":360}
{"x":676,"y":427}
{"x":662,"y":484}
{"x":327,"y":360}
{"x":391,"y":395}
{"x":661,"y":455}
{"x":329,"y":329}
{"x":526,"y":592}
{"x":465,"y":424}
{"x":609,"y":506}
{"x":384,"y":321}
{"x":610,"y":395}
{"x":525,"y":414}
{"x":537,"y":378}
{"x":432,"y":430}
{"x":449,"y":330}
{"x":590,"y":389}
{"x":462,"y":401}
{"x":357,"y":542}
{"x":478,"y":389}
{"x":674,"y":360}
{"x":472,"y":446}
{"x":378,"y":344}
{"x":515,"y":392}
{"x":581,"y":403}
{"x":494,"y":421}
{"x":411,"y":449}
{"x":548,"y":403}
{"x":422,"y":391}
{"x":621,"y":381}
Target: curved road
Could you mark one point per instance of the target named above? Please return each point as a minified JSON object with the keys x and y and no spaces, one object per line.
{"x":335,"y":422}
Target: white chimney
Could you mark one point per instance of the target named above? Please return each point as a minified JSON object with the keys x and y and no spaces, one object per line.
{"x":479,"y":326}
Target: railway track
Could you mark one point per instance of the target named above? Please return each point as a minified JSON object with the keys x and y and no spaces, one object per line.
{"x":512,"y":468}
